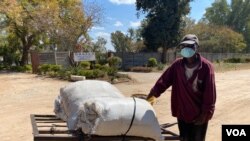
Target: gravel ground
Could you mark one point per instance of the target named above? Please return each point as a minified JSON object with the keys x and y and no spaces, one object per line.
{"x":24,"y":94}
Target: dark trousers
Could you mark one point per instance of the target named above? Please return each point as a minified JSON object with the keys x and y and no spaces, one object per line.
{"x":192,"y":132}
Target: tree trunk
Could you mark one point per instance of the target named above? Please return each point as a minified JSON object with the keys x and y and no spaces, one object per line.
{"x":164,"y":55}
{"x":27,"y":43}
{"x":25,"y":56}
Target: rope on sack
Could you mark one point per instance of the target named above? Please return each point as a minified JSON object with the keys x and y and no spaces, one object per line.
{"x":132,"y":120}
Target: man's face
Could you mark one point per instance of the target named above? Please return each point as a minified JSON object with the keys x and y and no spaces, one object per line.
{"x":188,"y":50}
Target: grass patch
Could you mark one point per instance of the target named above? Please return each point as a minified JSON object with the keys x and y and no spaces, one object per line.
{"x":223,"y":67}
{"x":220,"y":67}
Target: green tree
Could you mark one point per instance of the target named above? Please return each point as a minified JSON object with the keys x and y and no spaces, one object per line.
{"x":13,"y":12}
{"x":137,"y":42}
{"x":236,"y":16}
{"x":218,"y":39}
{"x":76,"y":18}
{"x":121,"y":42}
{"x":99,"y":45}
{"x":58,"y":22}
{"x":239,"y":15}
{"x":162,"y":26}
{"x":218,"y":12}
{"x":188,"y":25}
{"x":239,"y":18}
{"x":247,"y":35}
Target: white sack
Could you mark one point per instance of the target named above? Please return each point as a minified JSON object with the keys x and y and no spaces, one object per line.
{"x":76,"y":93}
{"x":112,"y":117}
{"x":59,"y":110}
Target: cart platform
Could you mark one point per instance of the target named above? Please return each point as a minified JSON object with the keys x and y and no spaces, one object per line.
{"x":51,"y":128}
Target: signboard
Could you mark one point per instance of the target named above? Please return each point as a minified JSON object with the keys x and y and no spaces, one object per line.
{"x":84,"y":56}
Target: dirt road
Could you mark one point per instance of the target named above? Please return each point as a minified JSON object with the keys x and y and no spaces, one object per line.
{"x":25,"y":94}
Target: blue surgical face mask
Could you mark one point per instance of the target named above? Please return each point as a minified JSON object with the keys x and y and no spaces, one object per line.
{"x":187,"y":52}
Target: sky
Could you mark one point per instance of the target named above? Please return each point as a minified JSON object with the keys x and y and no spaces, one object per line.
{"x":121,"y":15}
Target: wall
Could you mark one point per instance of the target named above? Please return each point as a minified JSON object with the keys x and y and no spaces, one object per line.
{"x":141,"y":59}
{"x":128,"y":59}
{"x":57,"y":58}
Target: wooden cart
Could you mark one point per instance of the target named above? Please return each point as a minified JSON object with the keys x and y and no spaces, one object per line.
{"x":51,"y":128}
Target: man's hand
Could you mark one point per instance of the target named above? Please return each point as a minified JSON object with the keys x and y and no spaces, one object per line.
{"x":151,"y":99}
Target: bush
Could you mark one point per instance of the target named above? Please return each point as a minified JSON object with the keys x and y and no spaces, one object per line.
{"x":55,"y":68}
{"x":98,"y":66}
{"x":247,"y":60}
{"x":64,"y":74}
{"x":47,"y":68}
{"x":75,"y":70}
{"x":85,"y":65}
{"x":237,"y":60}
{"x":233,"y":60}
{"x":98,"y":73}
{"x":104,"y":68}
{"x":25,"y":68}
{"x":86,"y":73}
{"x":111,"y":71}
{"x":1,"y":67}
{"x":44,"y":68}
{"x":91,"y":74}
{"x":101,"y":58}
{"x":140,"y":69}
{"x":152,"y":62}
{"x":160,"y":66}
{"x":16,"y":68}
{"x":52,"y":74}
{"x":114,"y":62}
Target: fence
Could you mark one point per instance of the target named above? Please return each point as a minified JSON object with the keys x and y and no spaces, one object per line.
{"x":57,"y":58}
{"x":220,"y":56}
{"x":140,"y":59}
{"x":128,"y":59}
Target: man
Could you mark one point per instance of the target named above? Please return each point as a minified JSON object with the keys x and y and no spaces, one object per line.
{"x":193,"y":93}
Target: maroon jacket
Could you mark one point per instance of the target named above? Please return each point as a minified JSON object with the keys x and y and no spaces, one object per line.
{"x":186,"y":104}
